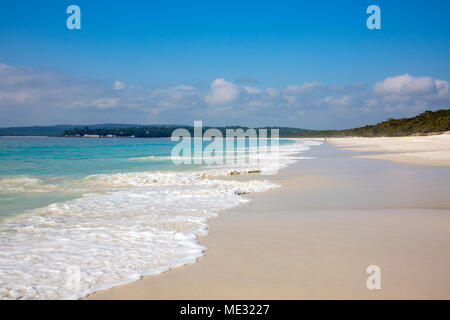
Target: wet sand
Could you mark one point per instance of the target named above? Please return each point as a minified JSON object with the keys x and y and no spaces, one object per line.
{"x":315,"y":236}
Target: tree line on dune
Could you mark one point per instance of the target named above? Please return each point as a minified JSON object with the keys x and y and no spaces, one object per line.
{"x":422,"y":124}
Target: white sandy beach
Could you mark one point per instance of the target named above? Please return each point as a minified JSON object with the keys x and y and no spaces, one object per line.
{"x":332,"y":218}
{"x":426,"y":150}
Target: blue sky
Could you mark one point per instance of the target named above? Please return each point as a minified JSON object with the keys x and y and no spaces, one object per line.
{"x":310,"y":64}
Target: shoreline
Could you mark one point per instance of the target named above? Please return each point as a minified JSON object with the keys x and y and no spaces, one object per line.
{"x":308,"y":251}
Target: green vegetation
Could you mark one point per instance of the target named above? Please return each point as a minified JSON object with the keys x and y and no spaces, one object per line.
{"x":163,"y":131}
{"x":425,"y":123}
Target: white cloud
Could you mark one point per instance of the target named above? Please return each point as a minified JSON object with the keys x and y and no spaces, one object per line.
{"x":304,"y":87}
{"x":251,"y":90}
{"x":341,"y":100}
{"x":441,"y":87}
{"x":174,"y":93}
{"x":173,"y":97}
{"x":47,"y":94}
{"x":272,"y":92}
{"x":106,"y":103}
{"x":222,"y":92}
{"x":118,"y":85}
{"x":409,"y":94}
{"x":406,"y":84}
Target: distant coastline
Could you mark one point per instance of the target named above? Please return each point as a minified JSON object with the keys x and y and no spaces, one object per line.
{"x":426,"y":123}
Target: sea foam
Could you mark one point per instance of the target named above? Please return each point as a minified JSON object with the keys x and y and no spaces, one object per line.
{"x":124,"y":226}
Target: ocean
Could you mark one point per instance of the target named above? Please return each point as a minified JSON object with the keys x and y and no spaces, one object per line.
{"x":83,"y":214}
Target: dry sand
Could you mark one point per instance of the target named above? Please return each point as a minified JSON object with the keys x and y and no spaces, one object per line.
{"x":315,"y":236}
{"x":424,"y":150}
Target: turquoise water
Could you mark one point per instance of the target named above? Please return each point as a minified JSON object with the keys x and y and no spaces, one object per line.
{"x":78,"y":157}
{"x":50,"y":162}
{"x":53,"y":160}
